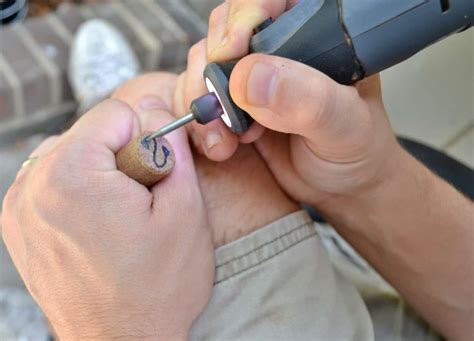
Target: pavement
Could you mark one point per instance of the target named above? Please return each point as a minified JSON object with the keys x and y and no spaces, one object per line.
{"x":429,"y":98}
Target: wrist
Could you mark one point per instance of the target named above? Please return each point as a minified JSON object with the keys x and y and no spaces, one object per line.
{"x":399,"y":175}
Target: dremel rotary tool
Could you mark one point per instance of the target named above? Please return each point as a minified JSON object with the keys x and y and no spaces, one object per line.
{"x":347,"y":40}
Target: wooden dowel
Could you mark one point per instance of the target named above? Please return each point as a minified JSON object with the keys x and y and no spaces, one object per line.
{"x":146,"y":161}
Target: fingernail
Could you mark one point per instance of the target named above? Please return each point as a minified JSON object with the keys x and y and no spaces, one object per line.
{"x":213,"y":138}
{"x":152,"y":103}
{"x":261,"y":84}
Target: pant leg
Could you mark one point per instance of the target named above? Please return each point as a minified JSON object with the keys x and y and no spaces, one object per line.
{"x":278,"y":284}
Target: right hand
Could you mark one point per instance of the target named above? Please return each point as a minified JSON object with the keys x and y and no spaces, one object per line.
{"x":336,"y":139}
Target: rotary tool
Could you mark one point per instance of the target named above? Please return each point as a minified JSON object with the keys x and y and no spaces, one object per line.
{"x":345,"y":39}
{"x":348,"y":40}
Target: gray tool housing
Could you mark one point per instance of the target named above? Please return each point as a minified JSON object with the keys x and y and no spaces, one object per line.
{"x":347,"y":40}
{"x":385,"y":33}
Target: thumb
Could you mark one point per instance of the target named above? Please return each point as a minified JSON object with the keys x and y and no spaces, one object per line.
{"x":290,"y":97}
{"x":101,"y":133}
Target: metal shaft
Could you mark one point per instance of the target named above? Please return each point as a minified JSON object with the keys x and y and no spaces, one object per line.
{"x":173,"y":126}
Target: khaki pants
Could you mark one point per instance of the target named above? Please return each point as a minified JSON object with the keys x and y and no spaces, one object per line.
{"x":279,"y":284}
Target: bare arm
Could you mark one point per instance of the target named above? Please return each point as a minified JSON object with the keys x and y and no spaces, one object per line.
{"x":339,"y":152}
{"x":417,"y":231}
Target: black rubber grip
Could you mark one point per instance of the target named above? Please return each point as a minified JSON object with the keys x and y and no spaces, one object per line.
{"x":219,"y":75}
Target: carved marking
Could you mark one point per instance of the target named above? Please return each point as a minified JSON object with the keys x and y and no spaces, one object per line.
{"x":166,"y":152}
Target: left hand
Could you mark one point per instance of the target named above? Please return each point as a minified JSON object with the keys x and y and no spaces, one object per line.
{"x":103,"y":256}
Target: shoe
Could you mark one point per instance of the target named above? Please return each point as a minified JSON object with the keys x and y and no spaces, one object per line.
{"x":101,"y":60}
{"x":12,"y":11}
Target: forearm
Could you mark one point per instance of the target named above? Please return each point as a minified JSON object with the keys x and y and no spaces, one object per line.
{"x":416,"y":230}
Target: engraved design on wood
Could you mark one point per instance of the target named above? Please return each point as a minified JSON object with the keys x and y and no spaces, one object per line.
{"x":146,"y":160}
{"x":166,"y":152}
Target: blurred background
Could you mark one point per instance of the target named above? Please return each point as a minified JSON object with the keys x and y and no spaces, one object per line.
{"x":429,"y":97}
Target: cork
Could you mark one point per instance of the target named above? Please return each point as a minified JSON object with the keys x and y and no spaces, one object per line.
{"x":146,"y":161}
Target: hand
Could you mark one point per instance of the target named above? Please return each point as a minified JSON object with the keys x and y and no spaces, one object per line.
{"x":224,"y":42}
{"x":240,"y":194}
{"x":336,"y":139}
{"x":103,"y":256}
{"x":339,"y":153}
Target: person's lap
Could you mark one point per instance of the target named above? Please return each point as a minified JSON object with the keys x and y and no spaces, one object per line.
{"x":241,"y":193}
{"x":273,"y":277}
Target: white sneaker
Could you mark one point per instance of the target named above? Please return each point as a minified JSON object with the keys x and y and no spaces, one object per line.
{"x":101,"y":60}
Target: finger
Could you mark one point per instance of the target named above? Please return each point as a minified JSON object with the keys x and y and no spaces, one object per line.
{"x":214,"y":138}
{"x":275,"y":149}
{"x":44,"y":148}
{"x":160,"y":84}
{"x":194,"y":85}
{"x":183,"y":171}
{"x":253,"y":134}
{"x":290,"y":97}
{"x":244,"y":16}
{"x":291,"y":3}
{"x":102,"y":132}
{"x":217,"y":25}
{"x":179,"y":108}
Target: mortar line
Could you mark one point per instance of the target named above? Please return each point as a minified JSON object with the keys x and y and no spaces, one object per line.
{"x":458,"y":136}
{"x":167,"y":20}
{"x":187,"y":11}
{"x":87,"y":13}
{"x":54,"y":74}
{"x":61,"y":30}
{"x":15,"y":84}
{"x":152,"y":44}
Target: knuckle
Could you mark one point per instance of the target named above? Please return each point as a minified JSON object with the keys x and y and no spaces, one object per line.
{"x":218,"y":15}
{"x":324,"y":103}
{"x":54,"y":174}
{"x":46,"y":173}
{"x":118,"y":107}
{"x":320,"y":95}
{"x":197,"y":50}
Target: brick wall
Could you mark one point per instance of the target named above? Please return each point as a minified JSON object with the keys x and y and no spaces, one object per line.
{"x":34,"y":90}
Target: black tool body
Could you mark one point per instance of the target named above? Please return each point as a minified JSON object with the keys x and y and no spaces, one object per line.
{"x":347,"y":40}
